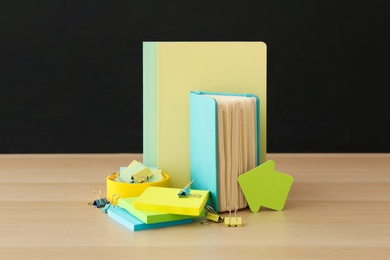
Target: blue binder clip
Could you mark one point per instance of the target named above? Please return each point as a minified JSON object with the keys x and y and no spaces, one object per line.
{"x":113,"y":202}
{"x":185,"y":192}
{"x":99,"y":202}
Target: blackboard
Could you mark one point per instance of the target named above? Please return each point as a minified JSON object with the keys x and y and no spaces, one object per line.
{"x":71,"y":71}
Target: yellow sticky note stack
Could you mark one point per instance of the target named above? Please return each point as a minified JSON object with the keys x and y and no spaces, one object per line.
{"x":166,"y":200}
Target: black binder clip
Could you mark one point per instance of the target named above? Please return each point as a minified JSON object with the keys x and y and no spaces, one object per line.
{"x":185,"y":192}
{"x":99,"y":202}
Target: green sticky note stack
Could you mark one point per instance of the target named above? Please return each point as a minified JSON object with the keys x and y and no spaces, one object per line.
{"x":149,"y":217}
{"x":263,"y":186}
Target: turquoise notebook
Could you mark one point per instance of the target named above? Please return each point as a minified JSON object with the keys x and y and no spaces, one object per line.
{"x":123,"y":217}
{"x":204,"y":149}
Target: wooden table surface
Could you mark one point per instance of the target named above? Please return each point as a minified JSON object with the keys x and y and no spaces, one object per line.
{"x":338,"y":208}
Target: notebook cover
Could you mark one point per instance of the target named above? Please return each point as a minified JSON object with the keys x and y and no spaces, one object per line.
{"x":148,"y":217}
{"x":149,"y":58}
{"x":123,"y":217}
{"x":166,"y":200}
{"x":171,"y":70}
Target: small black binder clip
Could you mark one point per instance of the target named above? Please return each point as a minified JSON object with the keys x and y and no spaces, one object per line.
{"x":99,"y":202}
{"x":185,"y":192}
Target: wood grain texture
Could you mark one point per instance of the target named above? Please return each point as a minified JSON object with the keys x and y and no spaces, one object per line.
{"x":338,"y":208}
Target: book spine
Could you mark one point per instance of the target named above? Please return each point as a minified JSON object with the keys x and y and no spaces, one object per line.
{"x":150,"y":104}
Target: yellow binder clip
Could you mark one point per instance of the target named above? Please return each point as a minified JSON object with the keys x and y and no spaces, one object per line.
{"x":213,"y":215}
{"x":233,"y":222}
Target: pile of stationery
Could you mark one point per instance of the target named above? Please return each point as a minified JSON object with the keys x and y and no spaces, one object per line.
{"x":140,"y":198}
{"x":204,"y":119}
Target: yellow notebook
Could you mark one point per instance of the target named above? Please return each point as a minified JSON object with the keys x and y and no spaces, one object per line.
{"x":173,"y":69}
{"x":166,"y":200}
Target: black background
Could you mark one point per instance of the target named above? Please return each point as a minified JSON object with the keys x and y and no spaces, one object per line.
{"x":71,"y":71}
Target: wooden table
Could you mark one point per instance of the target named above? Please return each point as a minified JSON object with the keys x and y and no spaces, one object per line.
{"x":338,"y":208}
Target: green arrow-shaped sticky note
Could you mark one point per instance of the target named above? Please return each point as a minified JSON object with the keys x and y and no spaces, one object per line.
{"x":263,"y":186}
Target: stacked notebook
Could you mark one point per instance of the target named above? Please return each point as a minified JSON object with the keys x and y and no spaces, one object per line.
{"x":159,"y":207}
{"x":171,"y":70}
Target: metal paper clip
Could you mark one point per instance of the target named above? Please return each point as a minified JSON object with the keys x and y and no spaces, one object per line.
{"x":185,"y":192}
{"x":100,"y":202}
{"x":117,"y":179}
{"x":143,"y":179}
{"x":113,"y":203}
{"x":233,"y":222}
{"x":111,"y":176}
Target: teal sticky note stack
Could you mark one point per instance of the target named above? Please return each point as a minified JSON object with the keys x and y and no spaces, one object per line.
{"x":123,"y":217}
